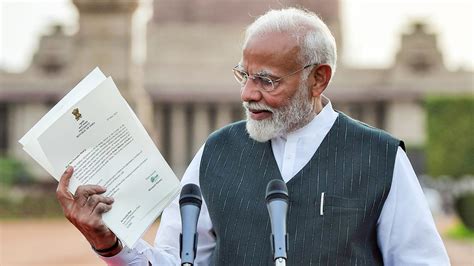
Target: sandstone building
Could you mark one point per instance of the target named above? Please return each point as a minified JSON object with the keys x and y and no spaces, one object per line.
{"x":185,"y":89}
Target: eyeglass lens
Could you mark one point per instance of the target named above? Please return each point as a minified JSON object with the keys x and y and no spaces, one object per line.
{"x":263,"y":82}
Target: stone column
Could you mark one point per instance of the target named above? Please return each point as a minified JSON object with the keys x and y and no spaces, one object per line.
{"x":202,"y":126}
{"x":159,"y":126}
{"x":178,"y":139}
{"x":224,"y":114}
{"x":22,"y":117}
{"x":112,"y":35}
{"x":369,"y":115}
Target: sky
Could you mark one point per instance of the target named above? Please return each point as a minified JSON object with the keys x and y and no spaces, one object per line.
{"x":371,"y":29}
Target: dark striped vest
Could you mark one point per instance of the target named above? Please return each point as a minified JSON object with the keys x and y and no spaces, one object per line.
{"x":353,"y":166}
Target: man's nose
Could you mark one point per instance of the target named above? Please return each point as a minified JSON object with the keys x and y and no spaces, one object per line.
{"x":250,"y":91}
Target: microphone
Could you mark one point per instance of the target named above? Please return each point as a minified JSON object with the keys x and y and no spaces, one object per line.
{"x":190,"y":205}
{"x":277,"y":205}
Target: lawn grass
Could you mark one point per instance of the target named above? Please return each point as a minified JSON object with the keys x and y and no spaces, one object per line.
{"x":460,"y":232}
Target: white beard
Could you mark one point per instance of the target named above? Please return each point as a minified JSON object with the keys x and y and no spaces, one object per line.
{"x":288,"y":118}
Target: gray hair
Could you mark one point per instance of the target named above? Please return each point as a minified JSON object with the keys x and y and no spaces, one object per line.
{"x":313,"y":36}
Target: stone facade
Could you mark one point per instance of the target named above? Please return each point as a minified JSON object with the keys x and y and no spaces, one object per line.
{"x":185,"y":89}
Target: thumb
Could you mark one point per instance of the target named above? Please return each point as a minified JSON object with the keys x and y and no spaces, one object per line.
{"x":64,"y":181}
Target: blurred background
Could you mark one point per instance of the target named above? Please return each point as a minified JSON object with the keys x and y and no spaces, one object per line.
{"x":404,"y":66}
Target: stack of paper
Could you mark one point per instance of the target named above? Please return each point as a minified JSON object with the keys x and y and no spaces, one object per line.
{"x":94,"y":129}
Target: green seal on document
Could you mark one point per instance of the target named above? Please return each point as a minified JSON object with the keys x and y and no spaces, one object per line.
{"x":154,"y":178}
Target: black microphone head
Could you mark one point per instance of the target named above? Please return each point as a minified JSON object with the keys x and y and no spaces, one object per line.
{"x":191,"y":194}
{"x":276,"y":189}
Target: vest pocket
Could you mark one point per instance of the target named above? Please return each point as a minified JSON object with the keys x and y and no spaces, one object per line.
{"x":338,"y":204}
{"x":338,"y":226}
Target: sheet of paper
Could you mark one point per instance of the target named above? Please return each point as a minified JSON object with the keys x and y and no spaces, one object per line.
{"x":100,"y":136}
{"x":90,"y":82}
{"x":30,"y":139}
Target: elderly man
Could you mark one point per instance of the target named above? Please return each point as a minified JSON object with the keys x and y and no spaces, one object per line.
{"x":354,"y":198}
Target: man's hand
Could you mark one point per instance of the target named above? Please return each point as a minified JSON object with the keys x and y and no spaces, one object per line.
{"x":84,"y":210}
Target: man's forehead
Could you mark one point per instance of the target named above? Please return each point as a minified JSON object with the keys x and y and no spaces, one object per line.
{"x":270,"y":50}
{"x":271,"y":42}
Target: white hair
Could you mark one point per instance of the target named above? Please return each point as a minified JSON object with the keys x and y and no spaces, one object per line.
{"x":313,"y":36}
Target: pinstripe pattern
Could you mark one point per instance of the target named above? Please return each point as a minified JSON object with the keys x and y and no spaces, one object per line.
{"x":353,"y":166}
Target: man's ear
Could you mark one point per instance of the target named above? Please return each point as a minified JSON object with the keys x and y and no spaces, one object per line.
{"x":320,"y":77}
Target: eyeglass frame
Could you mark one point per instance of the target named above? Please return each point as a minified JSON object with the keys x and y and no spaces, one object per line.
{"x":262,"y":77}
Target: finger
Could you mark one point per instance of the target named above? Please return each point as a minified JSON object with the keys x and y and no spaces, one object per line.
{"x":85,"y":191}
{"x":62,"y":190}
{"x":96,"y":199}
{"x":101,"y":208}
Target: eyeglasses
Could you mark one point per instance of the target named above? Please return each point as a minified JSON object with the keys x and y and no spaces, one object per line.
{"x":264,"y":82}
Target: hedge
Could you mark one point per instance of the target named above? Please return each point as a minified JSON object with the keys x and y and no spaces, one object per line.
{"x":450,"y":142}
{"x":12,"y":172}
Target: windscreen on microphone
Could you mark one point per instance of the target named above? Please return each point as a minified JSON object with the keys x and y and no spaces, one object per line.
{"x":190,"y":194}
{"x":276,"y":189}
